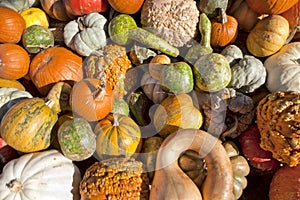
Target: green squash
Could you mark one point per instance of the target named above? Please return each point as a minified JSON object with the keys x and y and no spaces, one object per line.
{"x":36,"y":38}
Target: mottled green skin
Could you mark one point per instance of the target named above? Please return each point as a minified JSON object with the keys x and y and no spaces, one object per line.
{"x":177,"y":78}
{"x":36,"y":38}
{"x":212,"y":72}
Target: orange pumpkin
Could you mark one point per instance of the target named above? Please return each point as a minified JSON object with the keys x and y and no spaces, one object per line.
{"x":12,"y":25}
{"x":293,"y":16}
{"x":14,"y":61}
{"x":270,"y":6}
{"x":224,"y":29}
{"x":56,"y":9}
{"x":91,"y":100}
{"x":127,"y":7}
{"x":53,"y":65}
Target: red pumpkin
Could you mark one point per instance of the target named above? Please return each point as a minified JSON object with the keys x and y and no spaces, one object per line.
{"x":14,"y":61}
{"x":270,"y":6}
{"x":83,"y":7}
{"x":91,"y":100}
{"x":127,"y":7}
{"x":12,"y":25}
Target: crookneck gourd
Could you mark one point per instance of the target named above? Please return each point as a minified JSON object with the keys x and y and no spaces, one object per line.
{"x":170,"y":182}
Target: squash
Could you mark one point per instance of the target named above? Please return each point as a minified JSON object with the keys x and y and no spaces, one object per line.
{"x":120,"y":106}
{"x":127,"y":7}
{"x":36,"y":38}
{"x":18,"y":5}
{"x":224,"y":29}
{"x":170,"y":182}
{"x":56,"y":10}
{"x":283,"y":69}
{"x":245,"y":16}
{"x":268,"y":36}
{"x":22,"y":178}
{"x":77,"y":139}
{"x":117,"y":135}
{"x":12,"y":84}
{"x":54,"y":64}
{"x":171,"y":115}
{"x":86,"y":34}
{"x":27,"y":125}
{"x":15,"y":61}
{"x":270,"y":6}
{"x":12,"y":25}
{"x":91,"y":100}
{"x":7,"y":94}
{"x":35,"y":16}
{"x":157,"y":63}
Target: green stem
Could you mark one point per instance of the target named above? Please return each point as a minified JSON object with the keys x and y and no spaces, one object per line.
{"x":205,"y":31}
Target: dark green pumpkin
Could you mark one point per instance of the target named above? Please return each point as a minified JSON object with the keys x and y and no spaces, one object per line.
{"x":36,"y":38}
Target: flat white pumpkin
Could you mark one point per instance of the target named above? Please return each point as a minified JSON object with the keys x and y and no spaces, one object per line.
{"x":46,"y":175}
{"x":283,"y":69}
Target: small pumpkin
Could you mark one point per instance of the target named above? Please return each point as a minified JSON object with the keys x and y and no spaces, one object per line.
{"x":77,"y":139}
{"x":86,"y":34}
{"x":11,"y":83}
{"x":91,"y":100}
{"x":117,"y":135}
{"x":268,"y":36}
{"x":15,"y":61}
{"x":7,"y":94}
{"x":283,"y":69}
{"x":157,"y":63}
{"x":22,"y":177}
{"x":127,"y":7}
{"x":224,"y":29}
{"x":292,"y":15}
{"x":55,"y":64}
{"x":35,"y":16}
{"x":56,"y":9}
{"x":171,"y":115}
{"x":270,"y":6}
{"x":79,"y":8}
{"x":36,"y":38}
{"x":18,"y":5}
{"x":27,"y":125}
{"x":12,"y":25}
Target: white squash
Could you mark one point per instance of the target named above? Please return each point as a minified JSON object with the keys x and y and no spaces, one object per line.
{"x":46,"y":175}
{"x":7,"y":94}
{"x":283,"y":69}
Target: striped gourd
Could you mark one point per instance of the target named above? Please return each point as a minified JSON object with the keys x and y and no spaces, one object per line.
{"x":117,"y":135}
{"x":27,"y":125}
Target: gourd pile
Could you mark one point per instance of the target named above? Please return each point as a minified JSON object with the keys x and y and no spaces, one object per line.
{"x":149,"y":99}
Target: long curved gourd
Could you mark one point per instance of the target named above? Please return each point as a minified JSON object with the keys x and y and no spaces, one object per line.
{"x":170,"y":182}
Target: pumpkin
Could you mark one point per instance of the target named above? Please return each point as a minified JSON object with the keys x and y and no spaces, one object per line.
{"x":127,"y":7}
{"x":245,"y":16}
{"x":35,"y":16}
{"x":11,"y":83}
{"x":283,"y":69}
{"x":79,"y":7}
{"x":12,"y":25}
{"x":115,"y":178}
{"x":171,"y":115}
{"x":224,"y":30}
{"x":14,"y":61}
{"x":22,"y":178}
{"x":268,"y":36}
{"x":108,"y":64}
{"x":86,"y":34}
{"x":55,"y":64}
{"x":270,"y":6}
{"x":18,"y":5}
{"x":36,"y":38}
{"x":278,"y":123}
{"x":157,"y":63}
{"x":212,"y":72}
{"x":7,"y":94}
{"x":170,"y":182}
{"x":91,"y":100}
{"x":117,"y":135}
{"x":292,"y":15}
{"x":77,"y":139}
{"x":56,"y":9}
{"x":27,"y":125}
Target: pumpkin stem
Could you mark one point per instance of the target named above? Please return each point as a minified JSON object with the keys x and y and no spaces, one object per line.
{"x":222,"y":16}
{"x":116,"y":121}
{"x":293,"y":33}
{"x":99,"y":92}
{"x":15,"y":185}
{"x":50,"y":103}
{"x":81,"y":26}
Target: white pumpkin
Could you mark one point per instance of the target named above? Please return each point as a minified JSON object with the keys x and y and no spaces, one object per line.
{"x":283,"y":69}
{"x":86,"y":34}
{"x":46,"y":175}
{"x":7,"y":94}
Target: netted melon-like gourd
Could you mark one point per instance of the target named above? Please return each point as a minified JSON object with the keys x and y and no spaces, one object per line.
{"x":278,"y":120}
{"x":114,"y":178}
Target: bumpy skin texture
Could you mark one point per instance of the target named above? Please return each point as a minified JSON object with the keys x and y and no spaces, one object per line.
{"x":278,"y":120}
{"x":158,"y":16}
